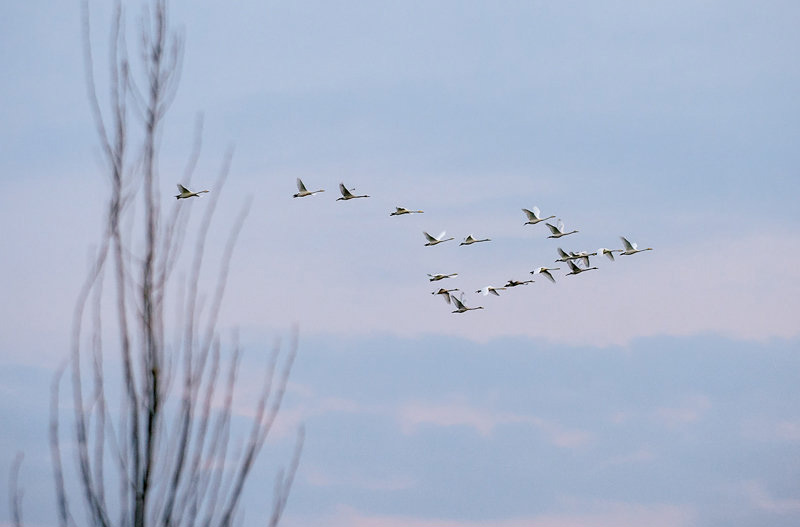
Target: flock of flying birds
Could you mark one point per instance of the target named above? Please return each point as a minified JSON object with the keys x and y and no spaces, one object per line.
{"x":577,"y":262}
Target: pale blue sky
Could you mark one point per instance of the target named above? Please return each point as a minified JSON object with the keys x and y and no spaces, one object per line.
{"x":660,"y":389}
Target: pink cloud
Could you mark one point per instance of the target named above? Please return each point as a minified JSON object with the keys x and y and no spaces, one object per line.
{"x":416,"y":414}
{"x":595,"y":515}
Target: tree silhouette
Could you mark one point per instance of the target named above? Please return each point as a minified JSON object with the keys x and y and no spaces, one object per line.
{"x":162,"y":437}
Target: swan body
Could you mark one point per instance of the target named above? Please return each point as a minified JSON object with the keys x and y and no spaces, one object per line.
{"x":437,"y":277}
{"x":401,"y":210}
{"x":302,"y":191}
{"x":534,"y":216}
{"x":445,"y":293}
{"x":584,"y":257}
{"x":186,"y":193}
{"x":609,"y":253}
{"x":515,"y":283}
{"x":631,"y":248}
{"x":546,"y":272}
{"x":490,"y":290}
{"x":558,"y":229}
{"x":469,"y":240}
{"x":567,"y":256}
{"x":346,"y":194}
{"x":460,"y":307}
{"x":577,"y":270}
{"x":435,"y":241}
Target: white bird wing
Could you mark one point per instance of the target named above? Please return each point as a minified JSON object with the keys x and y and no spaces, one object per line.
{"x":344,"y":191}
{"x":626,"y":243}
{"x":549,"y":276}
{"x":300,"y":186}
{"x":429,"y":237}
{"x":484,"y":291}
{"x":531,"y":216}
{"x":560,"y":225}
{"x":536,"y":212}
{"x":457,"y":302}
{"x":573,"y":266}
{"x":182,"y":189}
{"x":553,"y":228}
{"x":439,"y":238}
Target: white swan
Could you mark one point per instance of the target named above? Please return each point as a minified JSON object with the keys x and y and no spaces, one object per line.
{"x":583,"y":256}
{"x":577,"y":270}
{"x":445,"y":293}
{"x":631,"y":248}
{"x":567,"y":256}
{"x":469,"y":240}
{"x":534,"y":216}
{"x":186,"y":193}
{"x":490,"y":290}
{"x":436,"y":277}
{"x":302,"y":191}
{"x":546,"y":271}
{"x":558,"y":231}
{"x":515,"y":283}
{"x":435,"y":241}
{"x":401,"y":210}
{"x":346,"y":194}
{"x":460,"y":307}
{"x":609,"y":253}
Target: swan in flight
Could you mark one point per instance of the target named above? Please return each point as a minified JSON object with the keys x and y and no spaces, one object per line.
{"x":608,"y":252}
{"x":445,"y":293}
{"x":302,"y":191}
{"x":435,"y":241}
{"x":567,"y":256}
{"x":436,"y":277}
{"x":534,"y":216}
{"x":515,"y":283}
{"x":490,"y":290}
{"x":469,"y":240}
{"x":577,"y":270}
{"x":558,"y":229}
{"x":346,"y":193}
{"x":402,"y":210}
{"x":546,"y":271}
{"x":460,"y":307}
{"x":631,"y":248}
{"x":583,"y":256}
{"x":186,"y":193}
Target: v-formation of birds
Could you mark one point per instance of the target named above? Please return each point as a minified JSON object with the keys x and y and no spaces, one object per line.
{"x":577,"y":262}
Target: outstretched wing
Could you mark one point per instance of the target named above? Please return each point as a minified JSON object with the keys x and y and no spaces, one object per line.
{"x":553,"y":228}
{"x":182,"y":189}
{"x":560,"y":225}
{"x":628,"y":245}
{"x":537,"y":212}
{"x":429,"y":237}
{"x":300,"y":186}
{"x":457,"y":302}
{"x":530,"y":214}
{"x":344,"y":191}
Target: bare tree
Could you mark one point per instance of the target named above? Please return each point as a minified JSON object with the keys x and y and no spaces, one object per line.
{"x":164,"y":439}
